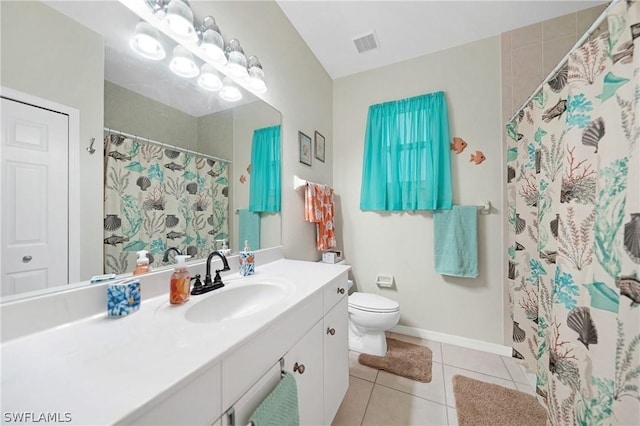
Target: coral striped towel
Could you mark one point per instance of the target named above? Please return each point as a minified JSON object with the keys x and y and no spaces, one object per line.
{"x":318,"y":208}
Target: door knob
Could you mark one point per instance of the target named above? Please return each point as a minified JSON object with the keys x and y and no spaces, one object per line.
{"x":331,"y":331}
{"x":26,"y":259}
{"x":298,"y":368}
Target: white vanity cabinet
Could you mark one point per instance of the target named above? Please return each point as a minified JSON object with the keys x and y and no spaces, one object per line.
{"x":336,"y":358}
{"x":318,"y":359}
{"x":157,"y":367}
{"x":304,"y":360}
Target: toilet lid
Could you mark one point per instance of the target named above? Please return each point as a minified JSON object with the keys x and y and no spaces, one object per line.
{"x":372,"y":302}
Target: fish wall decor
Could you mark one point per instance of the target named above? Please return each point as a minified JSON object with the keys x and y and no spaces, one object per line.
{"x":477,"y":158}
{"x":458,"y":145}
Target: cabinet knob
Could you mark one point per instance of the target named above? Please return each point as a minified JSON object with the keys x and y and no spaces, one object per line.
{"x":331,"y":331}
{"x":26,"y":259}
{"x":341,"y":290}
{"x":298,"y":368}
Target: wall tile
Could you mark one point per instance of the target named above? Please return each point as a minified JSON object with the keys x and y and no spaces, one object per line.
{"x":527,"y":72}
{"x":587,"y":17}
{"x":526,"y":36}
{"x":560,"y":27}
{"x":554,"y":51}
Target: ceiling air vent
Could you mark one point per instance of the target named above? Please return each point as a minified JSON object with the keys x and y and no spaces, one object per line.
{"x":366,"y":42}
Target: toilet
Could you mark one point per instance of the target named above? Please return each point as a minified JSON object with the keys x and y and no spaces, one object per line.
{"x":370,"y":315}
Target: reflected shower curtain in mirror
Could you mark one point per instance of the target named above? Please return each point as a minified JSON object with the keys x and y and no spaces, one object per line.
{"x":573,"y":195}
{"x":265,"y":185}
{"x":156,"y":198}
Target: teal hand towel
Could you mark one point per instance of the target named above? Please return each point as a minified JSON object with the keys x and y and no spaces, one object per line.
{"x":249,"y":229}
{"x":456,"y":241}
{"x":280,"y":408}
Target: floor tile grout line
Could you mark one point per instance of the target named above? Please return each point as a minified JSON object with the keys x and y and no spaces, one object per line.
{"x":526,"y":382}
{"x":480,"y":372}
{"x":413,"y":395}
{"x":366,"y":408}
{"x":508,"y":371}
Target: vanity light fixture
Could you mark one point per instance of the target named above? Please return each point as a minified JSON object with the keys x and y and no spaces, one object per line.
{"x":179,"y":19}
{"x":237,"y":64}
{"x":182,"y":63}
{"x":230,"y":91}
{"x":211,"y":41}
{"x":146,"y":42}
{"x":256,"y":75}
{"x":209,"y":79}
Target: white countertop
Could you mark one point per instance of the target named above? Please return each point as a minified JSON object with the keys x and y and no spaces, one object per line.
{"x":101,"y":369}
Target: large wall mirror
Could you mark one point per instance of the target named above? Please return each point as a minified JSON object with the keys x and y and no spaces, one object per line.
{"x":176,"y":157}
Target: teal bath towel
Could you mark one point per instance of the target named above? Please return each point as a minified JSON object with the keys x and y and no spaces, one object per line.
{"x":249,"y":229}
{"x":456,"y":241}
{"x":280,"y":408}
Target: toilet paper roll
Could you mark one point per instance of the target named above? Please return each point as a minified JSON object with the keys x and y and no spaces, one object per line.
{"x":123,"y":298}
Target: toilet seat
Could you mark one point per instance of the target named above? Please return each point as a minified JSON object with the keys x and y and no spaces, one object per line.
{"x":372,"y":303}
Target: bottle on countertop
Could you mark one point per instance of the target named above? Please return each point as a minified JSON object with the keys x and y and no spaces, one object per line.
{"x":142,"y":263}
{"x":247,"y":264}
{"x":225,"y":248}
{"x":180,"y":282}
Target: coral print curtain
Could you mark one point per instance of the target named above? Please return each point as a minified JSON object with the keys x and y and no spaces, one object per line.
{"x":156,"y":198}
{"x":573,"y":173}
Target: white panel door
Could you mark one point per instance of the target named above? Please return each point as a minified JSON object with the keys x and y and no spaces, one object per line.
{"x":34,"y":192}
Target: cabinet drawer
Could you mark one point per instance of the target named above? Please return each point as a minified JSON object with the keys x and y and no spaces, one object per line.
{"x":241,"y":368}
{"x":335,"y":291}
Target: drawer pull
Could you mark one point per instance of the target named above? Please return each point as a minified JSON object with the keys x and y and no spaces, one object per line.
{"x":298,"y":368}
{"x":331,"y":331}
{"x":26,"y":259}
{"x":341,"y":290}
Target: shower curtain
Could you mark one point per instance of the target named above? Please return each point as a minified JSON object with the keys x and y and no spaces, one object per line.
{"x":156,"y":198}
{"x":573,"y":191}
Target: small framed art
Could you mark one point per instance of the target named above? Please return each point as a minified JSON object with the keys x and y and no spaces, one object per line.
{"x":319,"y":146}
{"x":305,"y":148}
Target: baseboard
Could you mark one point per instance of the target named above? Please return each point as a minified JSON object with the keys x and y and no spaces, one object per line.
{"x":451,"y":339}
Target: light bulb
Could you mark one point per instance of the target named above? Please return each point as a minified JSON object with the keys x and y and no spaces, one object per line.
{"x":179,"y":19}
{"x":230,"y":91}
{"x":146,"y":42}
{"x":209,"y":79}
{"x":183,"y":64}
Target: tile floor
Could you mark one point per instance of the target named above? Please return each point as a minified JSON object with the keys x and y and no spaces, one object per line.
{"x":376,"y":397}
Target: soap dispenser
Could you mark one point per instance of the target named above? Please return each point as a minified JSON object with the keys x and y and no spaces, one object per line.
{"x":180,"y":282}
{"x":225,"y":248}
{"x":142,"y":263}
{"x":246,"y":258}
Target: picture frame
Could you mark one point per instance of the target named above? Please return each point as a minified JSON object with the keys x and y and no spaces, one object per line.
{"x":319,"y":145}
{"x":305,"y":148}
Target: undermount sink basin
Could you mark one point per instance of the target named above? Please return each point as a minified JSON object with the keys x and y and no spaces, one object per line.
{"x":236,"y":300}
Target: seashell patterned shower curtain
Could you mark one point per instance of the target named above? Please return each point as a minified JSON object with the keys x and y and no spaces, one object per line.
{"x":573,"y":191}
{"x":156,"y":198}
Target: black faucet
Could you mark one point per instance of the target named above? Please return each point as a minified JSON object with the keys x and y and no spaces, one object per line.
{"x":217,"y":281}
{"x":165,"y":258}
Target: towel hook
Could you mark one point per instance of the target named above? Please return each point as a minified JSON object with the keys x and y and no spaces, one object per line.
{"x":90,"y":148}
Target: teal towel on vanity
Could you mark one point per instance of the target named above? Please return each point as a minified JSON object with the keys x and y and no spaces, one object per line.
{"x":249,"y":229}
{"x":280,"y":408}
{"x":456,"y":241}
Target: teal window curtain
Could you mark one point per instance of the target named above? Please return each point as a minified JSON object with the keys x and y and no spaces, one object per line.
{"x":406,"y":164}
{"x":264,"y":191}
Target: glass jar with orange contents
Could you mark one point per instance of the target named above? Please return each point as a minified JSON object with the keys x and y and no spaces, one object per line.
{"x":180,"y":282}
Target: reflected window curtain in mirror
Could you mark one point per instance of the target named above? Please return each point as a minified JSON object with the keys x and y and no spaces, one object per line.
{"x":156,"y":198}
{"x":264,"y":192}
{"x":406,"y":155}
